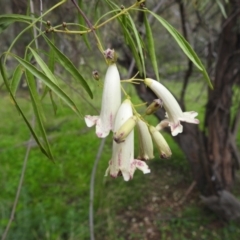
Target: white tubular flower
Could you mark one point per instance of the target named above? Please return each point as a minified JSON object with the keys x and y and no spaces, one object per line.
{"x":163,"y":148}
{"x":174,"y":113}
{"x":111,"y":101}
{"x":145,"y":141}
{"x":122,"y":161}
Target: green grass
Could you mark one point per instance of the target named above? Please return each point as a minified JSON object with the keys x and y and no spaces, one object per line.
{"x":54,"y":200}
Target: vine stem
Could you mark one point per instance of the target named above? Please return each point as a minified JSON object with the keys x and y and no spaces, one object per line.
{"x":125,"y":10}
{"x":89,"y":25}
{"x":18,"y":189}
{"x":92,"y":184}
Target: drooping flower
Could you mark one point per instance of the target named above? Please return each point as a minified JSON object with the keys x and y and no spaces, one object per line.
{"x":174,"y":113}
{"x":163,"y":148}
{"x":122,"y":161}
{"x":145,"y":141}
{"x":111,"y":101}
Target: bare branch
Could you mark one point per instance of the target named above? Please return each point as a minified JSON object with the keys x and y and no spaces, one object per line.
{"x":18,"y":189}
{"x":91,"y":200}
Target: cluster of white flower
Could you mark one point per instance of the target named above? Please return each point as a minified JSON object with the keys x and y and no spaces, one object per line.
{"x":119,"y":118}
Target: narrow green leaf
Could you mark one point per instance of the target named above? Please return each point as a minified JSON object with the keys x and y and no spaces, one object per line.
{"x":139,"y":45}
{"x":51,"y":58}
{"x":221,"y":8}
{"x":69,"y":66}
{"x":38,"y":74}
{"x":3,"y":73}
{"x":37,"y":110}
{"x":134,"y":50}
{"x":16,"y":79}
{"x":44,"y":67}
{"x":53,"y":102}
{"x":185,"y":46}
{"x":32,"y":85}
{"x":7,"y":19}
{"x":151,"y":47}
{"x":11,"y":18}
{"x":51,"y":65}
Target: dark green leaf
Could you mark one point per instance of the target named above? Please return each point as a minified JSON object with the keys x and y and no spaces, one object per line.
{"x":21,"y":112}
{"x":139,"y":45}
{"x":38,"y":74}
{"x":131,"y":43}
{"x":44,"y":67}
{"x":37,"y":109}
{"x":16,"y":79}
{"x":69,"y":66}
{"x":7,"y":19}
{"x":151,"y":47}
{"x":185,"y":46}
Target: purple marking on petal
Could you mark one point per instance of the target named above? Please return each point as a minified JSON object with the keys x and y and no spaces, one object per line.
{"x":99,"y":134}
{"x":174,"y":126}
{"x":119,"y":158}
{"x":140,"y":163}
{"x":113,"y":176}
{"x":111,"y":120}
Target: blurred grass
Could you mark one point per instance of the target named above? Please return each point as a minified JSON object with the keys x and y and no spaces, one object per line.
{"x":54,"y":200}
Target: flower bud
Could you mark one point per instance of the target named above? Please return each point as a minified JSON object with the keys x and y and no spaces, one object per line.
{"x":145,"y":141}
{"x":125,"y":129}
{"x":165,"y":151}
{"x":110,"y":56}
{"x":154,"y":106}
{"x":95,"y":75}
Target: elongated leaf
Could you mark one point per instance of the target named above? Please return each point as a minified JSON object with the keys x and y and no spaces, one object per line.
{"x":151,"y":47}
{"x":48,"y":82}
{"x":185,"y":46}
{"x":21,"y":112}
{"x":11,"y":18}
{"x":221,"y":8}
{"x":16,"y":79}
{"x":51,"y":65}
{"x":33,"y":85}
{"x":131,"y":44}
{"x":44,"y":67}
{"x":37,"y":110}
{"x":127,"y":28}
{"x":7,"y":19}
{"x":139,"y":45}
{"x":69,"y":66}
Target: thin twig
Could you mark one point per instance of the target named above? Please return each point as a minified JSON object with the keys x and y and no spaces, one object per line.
{"x":86,"y":20}
{"x":41,"y":12}
{"x":18,"y":189}
{"x":83,"y":15}
{"x":189,"y":190}
{"x":91,"y":200}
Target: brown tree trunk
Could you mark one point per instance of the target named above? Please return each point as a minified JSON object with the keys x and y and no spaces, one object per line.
{"x":211,"y":153}
{"x":217,"y":117}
